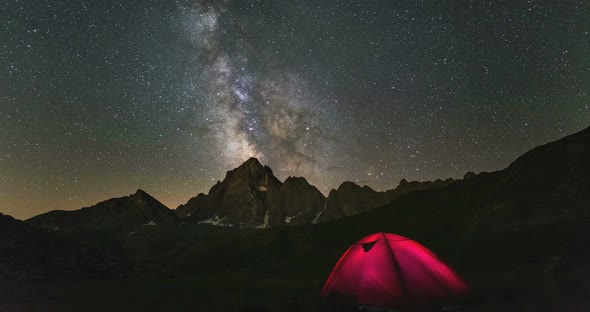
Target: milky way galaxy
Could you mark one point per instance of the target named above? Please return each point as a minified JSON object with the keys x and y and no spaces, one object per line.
{"x":100,"y":98}
{"x":251,"y":112}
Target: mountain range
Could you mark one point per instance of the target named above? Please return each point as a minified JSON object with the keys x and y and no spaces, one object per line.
{"x":250,"y":196}
{"x":115,"y":214}
{"x":518,"y":235}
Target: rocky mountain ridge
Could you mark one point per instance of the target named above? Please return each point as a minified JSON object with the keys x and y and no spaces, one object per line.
{"x":525,"y":225}
{"x":251,"y":196}
{"x":115,"y":214}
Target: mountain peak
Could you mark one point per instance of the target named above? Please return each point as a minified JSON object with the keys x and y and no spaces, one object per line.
{"x":117,"y":214}
{"x":468,"y":175}
{"x":142,"y":195}
{"x":348,"y":185}
{"x":251,"y":162}
{"x":251,"y":167}
{"x":140,"y":192}
{"x":296,"y":180}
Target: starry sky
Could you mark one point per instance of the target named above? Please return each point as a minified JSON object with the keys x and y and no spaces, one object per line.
{"x":100,"y":98}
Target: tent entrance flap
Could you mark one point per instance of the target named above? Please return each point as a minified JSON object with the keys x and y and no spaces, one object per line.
{"x":368,"y":246}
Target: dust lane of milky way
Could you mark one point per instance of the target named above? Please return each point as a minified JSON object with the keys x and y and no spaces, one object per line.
{"x":101,"y":98}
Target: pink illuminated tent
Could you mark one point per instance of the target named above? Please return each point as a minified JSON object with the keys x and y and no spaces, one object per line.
{"x":391,"y":271}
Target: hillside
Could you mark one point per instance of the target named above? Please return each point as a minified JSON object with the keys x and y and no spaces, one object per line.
{"x":115,"y":214}
{"x":28,"y":253}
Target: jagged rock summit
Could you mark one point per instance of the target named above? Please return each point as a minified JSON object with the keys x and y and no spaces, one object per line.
{"x":242,"y":198}
{"x":251,"y":196}
{"x":350,"y":199}
{"x":297,"y":202}
{"x":115,"y":214}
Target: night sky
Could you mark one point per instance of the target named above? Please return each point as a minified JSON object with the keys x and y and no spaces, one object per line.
{"x":100,"y":98}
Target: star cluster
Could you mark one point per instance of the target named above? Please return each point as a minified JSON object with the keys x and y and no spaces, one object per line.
{"x":99,"y":98}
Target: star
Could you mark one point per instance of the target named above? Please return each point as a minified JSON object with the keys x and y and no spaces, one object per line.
{"x":104,"y":98}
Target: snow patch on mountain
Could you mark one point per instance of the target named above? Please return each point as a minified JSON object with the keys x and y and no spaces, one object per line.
{"x":265,"y":224}
{"x":315,"y":220}
{"x":216,"y":221}
{"x":288,"y":219}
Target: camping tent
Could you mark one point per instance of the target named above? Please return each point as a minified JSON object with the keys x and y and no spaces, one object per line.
{"x":391,"y":271}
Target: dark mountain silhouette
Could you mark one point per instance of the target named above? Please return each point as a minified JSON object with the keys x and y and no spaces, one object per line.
{"x":28,"y":253}
{"x":297,"y":202}
{"x":350,"y":199}
{"x":251,"y":196}
{"x":115,"y":214}
{"x":549,"y":183}
{"x":518,"y":236}
{"x":405,"y":187}
{"x":243,"y":198}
